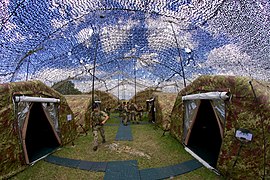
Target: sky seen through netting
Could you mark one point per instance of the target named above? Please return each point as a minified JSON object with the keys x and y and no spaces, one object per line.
{"x":132,"y":45}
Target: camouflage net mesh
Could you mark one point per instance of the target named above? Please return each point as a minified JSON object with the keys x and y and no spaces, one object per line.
{"x":150,"y":43}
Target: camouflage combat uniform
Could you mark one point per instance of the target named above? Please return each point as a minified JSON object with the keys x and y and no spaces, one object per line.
{"x":133,"y":109}
{"x":97,"y":118}
{"x":140,"y":112}
{"x":127,"y":112}
{"x":121,"y":111}
{"x":125,"y":115}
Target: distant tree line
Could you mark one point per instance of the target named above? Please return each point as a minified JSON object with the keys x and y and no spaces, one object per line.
{"x":66,"y":87}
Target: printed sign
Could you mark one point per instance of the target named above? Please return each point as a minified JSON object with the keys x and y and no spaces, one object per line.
{"x":69,"y":117}
{"x":243,"y":134}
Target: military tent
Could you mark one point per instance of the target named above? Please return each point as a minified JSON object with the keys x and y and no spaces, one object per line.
{"x":142,"y":96}
{"x":81,"y":107}
{"x":224,"y":121}
{"x":34,"y":121}
{"x":108,"y":100}
{"x":163,"y":105}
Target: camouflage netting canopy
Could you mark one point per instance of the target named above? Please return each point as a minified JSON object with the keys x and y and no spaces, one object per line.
{"x":229,"y":131}
{"x":124,"y":47}
{"x":24,"y":140}
{"x":130,"y":45}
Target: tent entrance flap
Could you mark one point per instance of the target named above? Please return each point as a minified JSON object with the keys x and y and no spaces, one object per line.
{"x":204,"y":136}
{"x":38,"y":134}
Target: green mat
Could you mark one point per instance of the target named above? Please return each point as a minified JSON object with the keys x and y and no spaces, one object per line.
{"x":124,"y":133}
{"x":169,"y":171}
{"x":80,"y":164}
{"x":122,"y":170}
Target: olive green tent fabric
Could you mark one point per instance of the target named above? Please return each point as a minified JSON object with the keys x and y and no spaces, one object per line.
{"x":12,"y":157}
{"x":143,"y":96}
{"x":108,"y":100}
{"x":164,"y":103}
{"x":81,"y":107}
{"x":248,"y":108}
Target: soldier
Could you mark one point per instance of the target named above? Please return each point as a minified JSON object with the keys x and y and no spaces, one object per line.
{"x":140,"y":112}
{"x":120,"y":109}
{"x":125,"y":115}
{"x":99,"y":118}
{"x":133,"y":108}
{"x":128,"y":111}
{"x":107,"y":110}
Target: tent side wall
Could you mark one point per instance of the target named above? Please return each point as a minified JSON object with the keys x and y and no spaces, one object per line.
{"x":11,"y":154}
{"x":107,"y":100}
{"x":164,"y":103}
{"x":67,"y":126}
{"x":177,"y":117}
{"x":142,"y":96}
{"x":81,"y":107}
{"x":240,"y":113}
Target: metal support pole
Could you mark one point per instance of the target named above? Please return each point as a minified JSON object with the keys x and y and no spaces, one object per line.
{"x":135,"y":81}
{"x":118,"y":88}
{"x":27,"y":70}
{"x":179,"y":54}
{"x":94,"y":70}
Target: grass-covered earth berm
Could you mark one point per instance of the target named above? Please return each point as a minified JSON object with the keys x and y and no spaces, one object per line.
{"x":148,"y":147}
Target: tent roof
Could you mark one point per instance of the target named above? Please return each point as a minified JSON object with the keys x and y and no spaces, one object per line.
{"x":241,"y":88}
{"x":33,"y":88}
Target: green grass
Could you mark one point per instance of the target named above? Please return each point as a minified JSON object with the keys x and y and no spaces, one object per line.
{"x":46,"y":171}
{"x":113,"y":118}
{"x":163,"y":151}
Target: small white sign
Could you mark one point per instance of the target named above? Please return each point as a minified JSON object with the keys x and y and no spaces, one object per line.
{"x":242,"y":135}
{"x":69,"y":117}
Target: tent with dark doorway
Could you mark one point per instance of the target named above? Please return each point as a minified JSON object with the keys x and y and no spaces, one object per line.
{"x":163,"y":105}
{"x":81,"y":106}
{"x":34,"y":121}
{"x":224,"y":122}
{"x":142,"y":97}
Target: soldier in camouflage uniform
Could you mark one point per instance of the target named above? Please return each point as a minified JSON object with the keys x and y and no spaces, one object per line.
{"x":140,"y":112}
{"x":127,"y":112}
{"x":120,"y":109}
{"x":125,"y":115}
{"x":133,"y":108}
{"x":99,"y":118}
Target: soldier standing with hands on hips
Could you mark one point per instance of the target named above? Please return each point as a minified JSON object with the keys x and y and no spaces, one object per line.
{"x":99,"y":118}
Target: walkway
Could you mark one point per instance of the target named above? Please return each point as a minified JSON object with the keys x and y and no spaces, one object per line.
{"x":119,"y":170}
{"x":122,"y":170}
{"x":124,"y":133}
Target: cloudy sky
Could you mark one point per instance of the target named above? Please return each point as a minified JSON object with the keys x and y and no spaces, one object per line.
{"x":158,"y":42}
